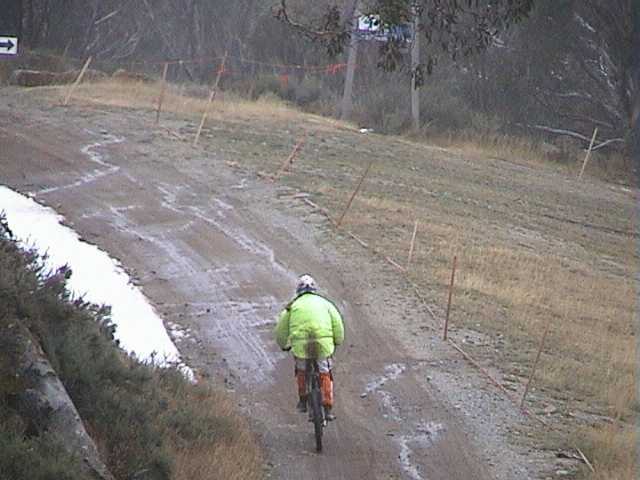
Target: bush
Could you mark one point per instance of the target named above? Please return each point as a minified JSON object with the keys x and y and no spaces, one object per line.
{"x":138,"y":414}
{"x":265,"y":85}
{"x":33,"y":458}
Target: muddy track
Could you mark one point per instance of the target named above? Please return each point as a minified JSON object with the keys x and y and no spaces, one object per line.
{"x":217,"y":259}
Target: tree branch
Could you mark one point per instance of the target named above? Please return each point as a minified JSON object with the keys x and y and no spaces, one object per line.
{"x":579,"y":136}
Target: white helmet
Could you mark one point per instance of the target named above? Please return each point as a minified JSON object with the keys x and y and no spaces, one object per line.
{"x":306,"y":283}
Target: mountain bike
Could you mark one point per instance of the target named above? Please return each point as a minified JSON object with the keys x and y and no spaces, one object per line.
{"x":314,"y":400}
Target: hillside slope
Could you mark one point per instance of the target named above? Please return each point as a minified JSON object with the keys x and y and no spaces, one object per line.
{"x":216,"y":249}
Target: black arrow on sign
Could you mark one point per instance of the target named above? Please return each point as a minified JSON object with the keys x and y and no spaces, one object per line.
{"x":8,"y":45}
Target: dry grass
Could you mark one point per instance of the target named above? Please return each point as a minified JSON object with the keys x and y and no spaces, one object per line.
{"x":232,"y":454}
{"x":591,"y":315}
{"x":612,"y":450}
{"x":535,"y":245}
{"x":517,"y":149}
{"x":568,"y":159}
{"x":178,"y":100}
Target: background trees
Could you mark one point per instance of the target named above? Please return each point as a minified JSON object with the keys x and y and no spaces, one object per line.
{"x":571,"y":66}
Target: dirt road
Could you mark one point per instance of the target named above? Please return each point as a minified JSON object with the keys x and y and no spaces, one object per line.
{"x":217,"y":253}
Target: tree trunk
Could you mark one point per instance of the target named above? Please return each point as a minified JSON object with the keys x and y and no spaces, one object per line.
{"x":46,"y":402}
{"x":634,"y":93}
{"x":352,"y":59}
{"x":415,"y":65}
{"x":11,"y":18}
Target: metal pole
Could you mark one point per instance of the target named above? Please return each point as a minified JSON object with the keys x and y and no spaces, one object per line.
{"x":453,"y":277}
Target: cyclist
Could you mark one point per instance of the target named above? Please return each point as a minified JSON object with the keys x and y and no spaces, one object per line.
{"x":310,"y":315}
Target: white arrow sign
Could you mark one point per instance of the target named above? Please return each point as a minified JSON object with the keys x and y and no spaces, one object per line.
{"x":8,"y":45}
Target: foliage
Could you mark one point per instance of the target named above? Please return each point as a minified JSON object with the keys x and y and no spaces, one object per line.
{"x":33,"y":458}
{"x":137,"y":413}
{"x":545,"y":67}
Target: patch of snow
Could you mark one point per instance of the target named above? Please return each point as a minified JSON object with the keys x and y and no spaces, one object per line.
{"x":91,"y":151}
{"x":95,"y":276}
{"x":242,"y":185}
{"x":389,"y":406}
{"x":222,"y":205}
{"x":392,"y":372}
{"x":426,"y":434}
{"x":178,"y":332}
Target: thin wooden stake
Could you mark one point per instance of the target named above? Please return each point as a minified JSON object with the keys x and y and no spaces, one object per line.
{"x":535,"y":363}
{"x":292,"y":157}
{"x":355,"y":192}
{"x":586,"y":158}
{"x":413,"y":242}
{"x":212,"y":95}
{"x":66,"y":50}
{"x":453,"y":277}
{"x":77,"y":82}
{"x":507,"y":394}
{"x":162,"y":91}
{"x":586,"y":460}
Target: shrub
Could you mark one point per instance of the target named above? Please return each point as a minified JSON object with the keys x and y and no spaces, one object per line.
{"x":33,"y":458}
{"x":138,"y":414}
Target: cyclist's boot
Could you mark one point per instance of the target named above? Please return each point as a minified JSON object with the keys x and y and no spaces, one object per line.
{"x":302,"y":404}
{"x":326,"y":384}
{"x":328,"y":416}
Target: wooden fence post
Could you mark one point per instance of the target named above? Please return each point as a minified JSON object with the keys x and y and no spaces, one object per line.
{"x":535,"y":363}
{"x":453,"y":277}
{"x":77,"y":82}
{"x":355,"y":192}
{"x":413,"y":241}
{"x":292,"y":156}
{"x":162,"y":91}
{"x":212,"y":95}
{"x":586,"y":158}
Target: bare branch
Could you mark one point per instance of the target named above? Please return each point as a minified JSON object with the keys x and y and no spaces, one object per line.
{"x":579,"y":136}
{"x":107,"y":17}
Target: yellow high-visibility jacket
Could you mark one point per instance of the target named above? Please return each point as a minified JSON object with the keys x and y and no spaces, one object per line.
{"x":310,"y":318}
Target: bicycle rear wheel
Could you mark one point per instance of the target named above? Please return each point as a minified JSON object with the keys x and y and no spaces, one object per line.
{"x":318,"y":416}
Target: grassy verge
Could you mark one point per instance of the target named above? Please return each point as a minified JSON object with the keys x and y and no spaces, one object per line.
{"x":535,"y":245}
{"x":148,"y":423}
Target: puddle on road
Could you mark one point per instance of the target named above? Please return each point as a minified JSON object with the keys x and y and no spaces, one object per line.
{"x":96,"y":276}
